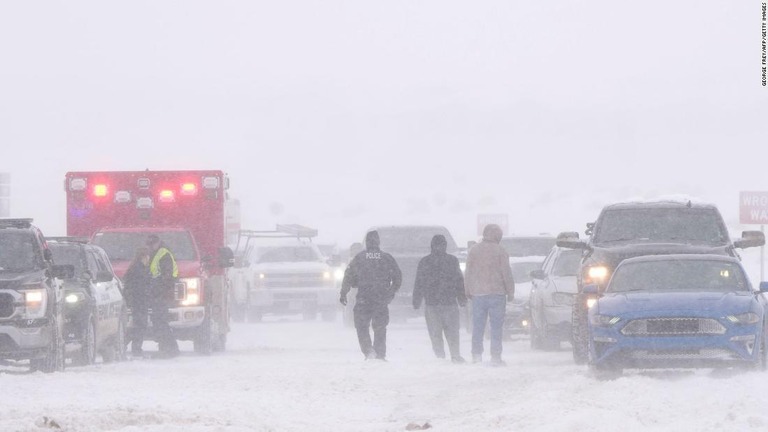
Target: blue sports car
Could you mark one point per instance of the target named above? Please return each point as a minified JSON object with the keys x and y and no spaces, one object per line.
{"x":678,"y":311}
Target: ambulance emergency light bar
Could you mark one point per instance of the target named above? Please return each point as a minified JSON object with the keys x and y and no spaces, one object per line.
{"x":101,"y":190}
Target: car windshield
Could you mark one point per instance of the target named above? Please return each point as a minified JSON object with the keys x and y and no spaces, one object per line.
{"x":19,"y":252}
{"x":68,"y":254}
{"x":521,"y":272}
{"x":523,"y":247}
{"x":676,"y":225}
{"x":288,"y":254}
{"x":678,"y":275}
{"x":121,"y":246}
{"x":416,"y":240}
{"x":567,"y":263}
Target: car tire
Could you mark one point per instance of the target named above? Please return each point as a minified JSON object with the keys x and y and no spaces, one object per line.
{"x":203,"y":342}
{"x":87,"y":353}
{"x":54,"y":360}
{"x":761,"y":363}
{"x":580,"y":330}
{"x":535,"y":335}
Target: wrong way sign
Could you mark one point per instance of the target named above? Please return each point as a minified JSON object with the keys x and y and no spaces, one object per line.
{"x":753,"y":208}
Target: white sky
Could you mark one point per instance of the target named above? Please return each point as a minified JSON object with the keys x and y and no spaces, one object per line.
{"x":347,"y":114}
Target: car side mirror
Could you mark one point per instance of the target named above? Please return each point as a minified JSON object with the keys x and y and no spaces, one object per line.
{"x":591,"y":289}
{"x":226,"y":257}
{"x":763,"y":287}
{"x":64,"y":271}
{"x":538,"y":274}
{"x":87,"y":275}
{"x":104,"y":276}
{"x":750,"y":239}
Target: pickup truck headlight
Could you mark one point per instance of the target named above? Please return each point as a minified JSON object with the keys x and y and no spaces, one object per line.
{"x":745,"y":318}
{"x":192,"y":293}
{"x":35,"y":302}
{"x":596,"y":275}
{"x":338,"y":274}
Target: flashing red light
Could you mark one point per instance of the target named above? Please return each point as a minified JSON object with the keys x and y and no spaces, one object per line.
{"x":100,"y":190}
{"x":166,"y":195}
{"x":188,"y":189}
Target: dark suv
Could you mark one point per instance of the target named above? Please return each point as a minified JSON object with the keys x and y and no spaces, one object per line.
{"x":628,"y":230}
{"x":31,"y":300}
{"x":94,"y":309}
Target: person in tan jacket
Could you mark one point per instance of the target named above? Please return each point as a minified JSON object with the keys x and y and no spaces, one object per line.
{"x":488,"y":282}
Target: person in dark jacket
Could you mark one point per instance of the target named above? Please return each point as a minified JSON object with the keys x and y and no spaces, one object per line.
{"x":377,"y":277}
{"x":137,"y":282}
{"x":440,"y":284}
{"x":164,"y":272}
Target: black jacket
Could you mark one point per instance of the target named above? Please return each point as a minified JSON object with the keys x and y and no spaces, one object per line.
{"x":137,"y":282}
{"x":374,"y":273}
{"x":439,"y":281}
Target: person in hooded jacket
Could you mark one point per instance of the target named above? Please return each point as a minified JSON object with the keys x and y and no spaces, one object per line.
{"x":489,"y":283}
{"x":137,"y":281}
{"x":377,"y":277}
{"x":440,"y":284}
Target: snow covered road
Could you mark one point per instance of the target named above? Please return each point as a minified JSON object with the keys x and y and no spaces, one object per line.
{"x":290,"y":375}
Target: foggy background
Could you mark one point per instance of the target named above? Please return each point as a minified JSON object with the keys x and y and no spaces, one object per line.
{"x":346,"y":114}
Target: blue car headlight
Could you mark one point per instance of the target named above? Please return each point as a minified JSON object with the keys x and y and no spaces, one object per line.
{"x":745,"y":318}
{"x":604,"y":320}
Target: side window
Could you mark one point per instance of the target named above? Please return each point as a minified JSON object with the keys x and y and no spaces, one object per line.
{"x":100,"y":264}
{"x":93,"y":267}
{"x":104,"y":259}
{"x":550,"y":261}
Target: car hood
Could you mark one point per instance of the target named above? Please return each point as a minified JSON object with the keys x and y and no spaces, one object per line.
{"x":697,"y":302}
{"x":614,"y":255}
{"x":10,"y":280}
{"x":291,"y":267}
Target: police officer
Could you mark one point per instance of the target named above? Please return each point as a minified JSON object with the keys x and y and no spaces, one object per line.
{"x":137,"y":285}
{"x":377,"y":277}
{"x":164,"y":272}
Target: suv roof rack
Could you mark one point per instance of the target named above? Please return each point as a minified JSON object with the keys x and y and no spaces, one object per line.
{"x":69,"y":239}
{"x":16,"y":223}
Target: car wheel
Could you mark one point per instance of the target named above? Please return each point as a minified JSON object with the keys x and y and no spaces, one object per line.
{"x":121,"y":351}
{"x":535,"y":335}
{"x":579,"y":330}
{"x":54,"y":360}
{"x":203,"y":343}
{"x":220,"y":343}
{"x":87,"y":353}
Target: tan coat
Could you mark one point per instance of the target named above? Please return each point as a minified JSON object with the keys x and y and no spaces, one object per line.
{"x":488,"y":270}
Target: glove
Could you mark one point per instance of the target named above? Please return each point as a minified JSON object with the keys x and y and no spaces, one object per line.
{"x":343,"y":299}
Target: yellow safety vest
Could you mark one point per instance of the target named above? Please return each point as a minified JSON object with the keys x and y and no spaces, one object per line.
{"x":154,"y":266}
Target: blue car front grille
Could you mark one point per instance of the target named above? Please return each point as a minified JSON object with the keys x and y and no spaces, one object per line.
{"x":673,"y":327}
